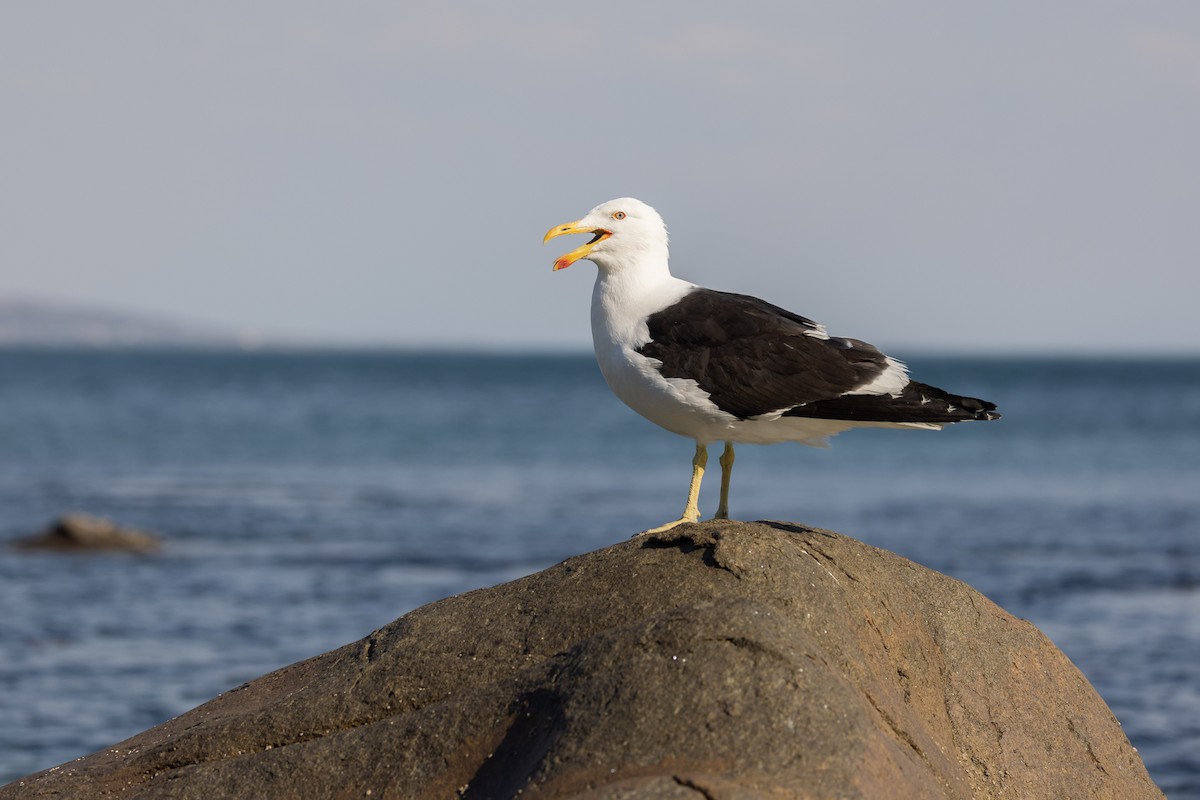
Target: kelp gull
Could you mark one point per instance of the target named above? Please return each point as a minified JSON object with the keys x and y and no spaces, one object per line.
{"x":715,"y":366}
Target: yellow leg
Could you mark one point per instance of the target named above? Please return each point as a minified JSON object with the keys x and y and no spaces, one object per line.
{"x":726,"y":471}
{"x":691,"y":512}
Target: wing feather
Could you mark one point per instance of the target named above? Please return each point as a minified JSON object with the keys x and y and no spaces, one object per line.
{"x":754,"y":358}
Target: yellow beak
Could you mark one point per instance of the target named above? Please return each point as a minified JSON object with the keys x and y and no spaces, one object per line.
{"x":579,"y":252}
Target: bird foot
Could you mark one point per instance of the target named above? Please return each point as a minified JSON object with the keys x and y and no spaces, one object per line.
{"x":668,"y":526}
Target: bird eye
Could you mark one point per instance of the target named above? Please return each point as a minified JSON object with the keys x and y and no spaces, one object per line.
{"x":618,"y":215}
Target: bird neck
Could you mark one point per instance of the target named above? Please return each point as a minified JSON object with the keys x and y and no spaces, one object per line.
{"x":622,"y":299}
{"x":633,"y":254}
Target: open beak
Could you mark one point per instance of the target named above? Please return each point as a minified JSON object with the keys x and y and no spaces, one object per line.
{"x":598,"y":235}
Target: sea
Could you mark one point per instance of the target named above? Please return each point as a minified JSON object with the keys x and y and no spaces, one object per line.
{"x":307,"y":498}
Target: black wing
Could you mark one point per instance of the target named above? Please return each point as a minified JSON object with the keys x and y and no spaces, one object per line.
{"x":917,"y":402}
{"x":754,"y":358}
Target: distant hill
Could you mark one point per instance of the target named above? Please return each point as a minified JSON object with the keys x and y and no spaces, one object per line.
{"x":36,"y":323}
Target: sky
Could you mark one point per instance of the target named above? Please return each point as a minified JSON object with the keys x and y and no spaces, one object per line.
{"x":938,"y":176}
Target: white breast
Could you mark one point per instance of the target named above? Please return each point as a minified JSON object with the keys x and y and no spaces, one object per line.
{"x":621,"y":302}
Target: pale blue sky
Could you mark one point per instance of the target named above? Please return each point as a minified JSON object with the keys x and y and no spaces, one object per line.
{"x":926,"y":176}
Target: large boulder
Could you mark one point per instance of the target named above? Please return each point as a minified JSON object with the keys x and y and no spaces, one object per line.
{"x":720,"y":660}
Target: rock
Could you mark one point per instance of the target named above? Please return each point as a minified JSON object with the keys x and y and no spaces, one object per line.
{"x":76,"y":532}
{"x":719,"y":660}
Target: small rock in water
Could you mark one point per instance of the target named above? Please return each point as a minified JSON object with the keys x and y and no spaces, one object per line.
{"x":81,"y":532}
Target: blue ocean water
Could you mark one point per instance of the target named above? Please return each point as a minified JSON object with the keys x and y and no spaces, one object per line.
{"x":309,"y":498}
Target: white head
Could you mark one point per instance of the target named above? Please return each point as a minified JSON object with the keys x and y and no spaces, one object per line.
{"x":624,"y":232}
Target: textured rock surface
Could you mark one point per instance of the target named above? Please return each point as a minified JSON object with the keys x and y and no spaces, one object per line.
{"x":720,"y":660}
{"x":81,"y":532}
